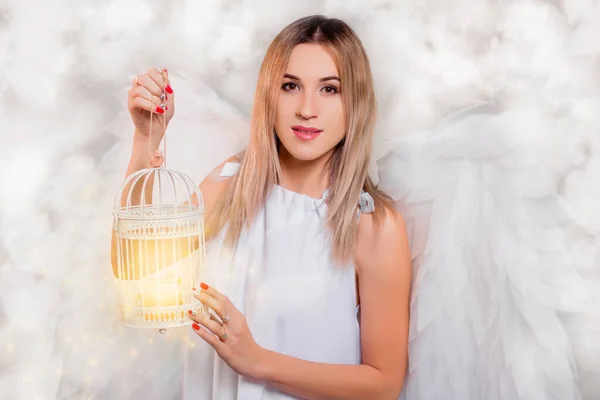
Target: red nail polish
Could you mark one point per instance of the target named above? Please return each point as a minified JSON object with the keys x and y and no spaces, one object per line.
{"x":204,"y":286}
{"x":195,"y":326}
{"x":190,"y":312}
{"x":169,"y":89}
{"x":166,"y":96}
{"x":160,"y":110}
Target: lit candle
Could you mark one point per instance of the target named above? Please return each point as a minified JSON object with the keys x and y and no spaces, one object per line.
{"x":158,"y":295}
{"x":162,"y":293}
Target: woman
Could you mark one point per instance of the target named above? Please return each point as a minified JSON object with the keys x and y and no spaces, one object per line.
{"x":299,"y":237}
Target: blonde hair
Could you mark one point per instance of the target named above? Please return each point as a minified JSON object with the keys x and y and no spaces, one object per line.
{"x":348,"y":166}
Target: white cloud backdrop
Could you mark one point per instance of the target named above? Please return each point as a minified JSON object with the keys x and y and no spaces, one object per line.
{"x":65,"y":68}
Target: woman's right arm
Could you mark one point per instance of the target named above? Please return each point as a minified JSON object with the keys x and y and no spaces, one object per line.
{"x":145,"y":102}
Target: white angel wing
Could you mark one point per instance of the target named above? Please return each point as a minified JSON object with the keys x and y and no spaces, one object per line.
{"x":492,"y":271}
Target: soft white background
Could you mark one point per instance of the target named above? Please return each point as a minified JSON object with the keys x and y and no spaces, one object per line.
{"x":65,"y":67}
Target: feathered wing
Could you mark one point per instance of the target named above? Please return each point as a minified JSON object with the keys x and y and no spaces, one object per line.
{"x":493,"y":276}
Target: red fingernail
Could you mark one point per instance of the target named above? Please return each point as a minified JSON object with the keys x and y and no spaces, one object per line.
{"x":195,"y":326}
{"x":190,"y":312}
{"x":204,"y":286}
{"x":166,"y":107}
{"x":166,"y":96}
{"x":168,"y":89}
{"x":160,"y":110}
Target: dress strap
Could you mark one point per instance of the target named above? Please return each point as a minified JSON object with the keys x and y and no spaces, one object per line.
{"x":365,"y":204}
{"x":229,"y":169}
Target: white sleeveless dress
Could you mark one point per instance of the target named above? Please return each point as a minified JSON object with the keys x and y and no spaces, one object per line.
{"x":296,"y":300}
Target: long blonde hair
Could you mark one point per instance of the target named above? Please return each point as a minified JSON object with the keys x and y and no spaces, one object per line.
{"x":260,"y":168}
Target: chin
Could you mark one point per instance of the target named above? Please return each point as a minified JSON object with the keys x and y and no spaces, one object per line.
{"x":304,"y":154}
{"x":304,"y":150}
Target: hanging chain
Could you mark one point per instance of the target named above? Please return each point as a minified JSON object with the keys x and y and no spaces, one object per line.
{"x":157,"y":158}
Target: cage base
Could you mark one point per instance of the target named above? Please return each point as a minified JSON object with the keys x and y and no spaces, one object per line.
{"x":160,"y":317}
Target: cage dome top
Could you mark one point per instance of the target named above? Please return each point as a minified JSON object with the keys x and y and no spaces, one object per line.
{"x":158,"y":193}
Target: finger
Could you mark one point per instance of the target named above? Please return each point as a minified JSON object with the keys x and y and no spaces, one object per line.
{"x":212,"y":292}
{"x":215,"y":318}
{"x":168,"y":89}
{"x":167,"y":95}
{"x":149,"y":83}
{"x":140,"y":91}
{"x":140,"y":103}
{"x":197,"y":315}
{"x":226,"y":304}
{"x":165,"y":75}
{"x":166,"y":98}
{"x":209,"y":324}
{"x":158,"y":77}
{"x":208,"y":337}
{"x":210,"y":302}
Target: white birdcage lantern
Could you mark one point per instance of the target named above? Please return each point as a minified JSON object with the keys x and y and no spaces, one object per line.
{"x":159,"y":232}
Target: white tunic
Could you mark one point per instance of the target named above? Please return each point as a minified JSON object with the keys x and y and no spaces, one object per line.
{"x":296,"y":300}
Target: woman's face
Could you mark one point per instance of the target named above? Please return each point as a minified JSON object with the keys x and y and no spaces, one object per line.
{"x":310,"y":119}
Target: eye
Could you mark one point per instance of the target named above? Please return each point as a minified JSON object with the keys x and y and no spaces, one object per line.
{"x":289,"y":86}
{"x":330,"y":89}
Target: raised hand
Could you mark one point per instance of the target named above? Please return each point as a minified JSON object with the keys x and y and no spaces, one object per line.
{"x":151,"y":95}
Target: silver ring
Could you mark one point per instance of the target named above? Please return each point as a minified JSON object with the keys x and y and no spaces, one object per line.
{"x":225,"y":318}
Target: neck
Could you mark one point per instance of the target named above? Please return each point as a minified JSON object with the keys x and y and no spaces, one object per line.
{"x":305,"y":177}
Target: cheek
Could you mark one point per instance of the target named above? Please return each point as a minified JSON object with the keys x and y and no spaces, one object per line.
{"x":337,"y":116}
{"x":282,"y":117}
{"x":285,"y":106}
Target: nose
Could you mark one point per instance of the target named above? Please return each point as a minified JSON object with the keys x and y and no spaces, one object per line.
{"x":308,"y":107}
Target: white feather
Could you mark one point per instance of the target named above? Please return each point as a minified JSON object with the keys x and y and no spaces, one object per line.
{"x":493,"y":276}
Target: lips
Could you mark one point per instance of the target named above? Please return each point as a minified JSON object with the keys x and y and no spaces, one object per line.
{"x":305,"y":129}
{"x":306,"y":133}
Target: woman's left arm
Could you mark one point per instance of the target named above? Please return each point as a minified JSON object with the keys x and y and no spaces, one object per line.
{"x":384,"y":275}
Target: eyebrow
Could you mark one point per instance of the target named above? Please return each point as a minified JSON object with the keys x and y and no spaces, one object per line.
{"x":327,"y":78}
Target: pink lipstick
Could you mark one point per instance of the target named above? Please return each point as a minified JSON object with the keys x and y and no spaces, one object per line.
{"x":306,"y":133}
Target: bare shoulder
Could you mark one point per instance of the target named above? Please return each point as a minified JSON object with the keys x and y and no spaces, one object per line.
{"x":381,"y":239}
{"x":212,"y":187}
